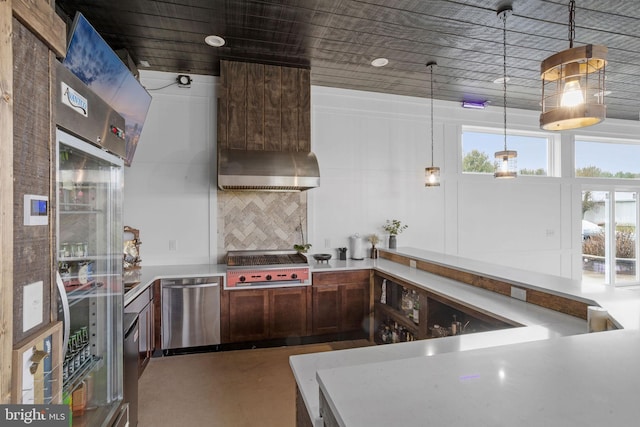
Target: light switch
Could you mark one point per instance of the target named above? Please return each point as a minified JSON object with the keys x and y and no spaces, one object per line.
{"x":32,"y":305}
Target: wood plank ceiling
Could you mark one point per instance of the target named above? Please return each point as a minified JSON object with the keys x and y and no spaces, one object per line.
{"x":337,"y":39}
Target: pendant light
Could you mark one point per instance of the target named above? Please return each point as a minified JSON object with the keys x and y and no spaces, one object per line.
{"x":506,"y":160}
{"x":573,"y":84}
{"x":432,"y":174}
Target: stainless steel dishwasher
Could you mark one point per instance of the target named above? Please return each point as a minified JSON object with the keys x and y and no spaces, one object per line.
{"x":190,"y":312}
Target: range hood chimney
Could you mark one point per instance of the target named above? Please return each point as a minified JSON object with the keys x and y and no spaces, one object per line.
{"x":256,"y":170}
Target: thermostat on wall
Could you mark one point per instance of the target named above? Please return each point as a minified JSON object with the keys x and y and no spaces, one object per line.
{"x":36,"y":210}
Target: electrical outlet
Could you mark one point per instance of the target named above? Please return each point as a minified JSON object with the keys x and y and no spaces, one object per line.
{"x":412,"y":263}
{"x":327,"y":243}
{"x":173,"y":245}
{"x":518,"y":293}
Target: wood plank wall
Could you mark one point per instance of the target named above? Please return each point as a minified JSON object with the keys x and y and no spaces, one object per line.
{"x":264,"y":107}
{"x":36,"y":31}
{"x":6,"y":200}
{"x":32,"y":162}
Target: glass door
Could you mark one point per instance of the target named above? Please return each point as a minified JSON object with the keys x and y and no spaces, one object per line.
{"x":89,"y":240}
{"x":625,"y":241}
{"x":610,"y":237}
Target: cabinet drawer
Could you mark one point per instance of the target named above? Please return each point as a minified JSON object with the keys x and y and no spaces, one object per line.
{"x":340,"y":277}
{"x":141,"y":301}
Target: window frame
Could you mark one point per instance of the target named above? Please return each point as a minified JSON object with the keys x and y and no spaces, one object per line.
{"x":603,"y":140}
{"x":553,"y":148}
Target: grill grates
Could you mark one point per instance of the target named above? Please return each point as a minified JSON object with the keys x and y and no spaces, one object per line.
{"x":265,"y":259}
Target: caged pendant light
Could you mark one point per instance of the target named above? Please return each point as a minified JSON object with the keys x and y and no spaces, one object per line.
{"x":573,"y":84}
{"x":432,"y":174}
{"x":506,"y":160}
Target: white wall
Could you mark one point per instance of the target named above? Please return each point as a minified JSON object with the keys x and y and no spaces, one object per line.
{"x":372,"y":149}
{"x":170,"y":189}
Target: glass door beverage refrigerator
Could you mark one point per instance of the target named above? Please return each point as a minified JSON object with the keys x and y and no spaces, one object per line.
{"x":89,"y":254}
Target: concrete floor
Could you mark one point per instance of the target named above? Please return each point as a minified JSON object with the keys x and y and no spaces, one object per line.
{"x":224,"y":389}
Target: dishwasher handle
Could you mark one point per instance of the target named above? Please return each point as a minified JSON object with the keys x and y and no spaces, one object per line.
{"x":199,"y":285}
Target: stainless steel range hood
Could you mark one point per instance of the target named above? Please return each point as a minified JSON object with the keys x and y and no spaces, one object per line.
{"x":252,"y":170}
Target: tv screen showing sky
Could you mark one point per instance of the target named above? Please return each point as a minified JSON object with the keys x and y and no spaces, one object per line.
{"x":91,"y":59}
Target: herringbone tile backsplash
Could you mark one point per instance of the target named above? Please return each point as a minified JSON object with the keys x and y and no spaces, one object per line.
{"x":260,"y":220}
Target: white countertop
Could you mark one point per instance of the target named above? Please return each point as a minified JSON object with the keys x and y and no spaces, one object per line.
{"x":582,"y":380}
{"x":146,"y":275}
{"x":541,"y":324}
{"x":622,"y":303}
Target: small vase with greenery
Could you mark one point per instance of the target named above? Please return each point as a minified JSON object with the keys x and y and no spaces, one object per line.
{"x":393,"y":227}
{"x":374,"y":240}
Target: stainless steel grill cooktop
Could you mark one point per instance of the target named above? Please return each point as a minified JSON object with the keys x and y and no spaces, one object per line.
{"x":264,"y":257}
{"x":266,"y":269}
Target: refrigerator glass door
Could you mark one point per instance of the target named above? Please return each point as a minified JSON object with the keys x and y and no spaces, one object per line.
{"x":89,"y":243}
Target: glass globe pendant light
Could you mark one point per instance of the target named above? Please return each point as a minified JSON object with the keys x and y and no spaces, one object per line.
{"x":505,"y":160}
{"x":432,"y":174}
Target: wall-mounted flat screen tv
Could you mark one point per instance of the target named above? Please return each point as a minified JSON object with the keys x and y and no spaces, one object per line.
{"x":91,"y":59}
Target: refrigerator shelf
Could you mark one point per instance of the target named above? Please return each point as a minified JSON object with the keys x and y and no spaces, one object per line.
{"x":80,"y":258}
{"x":79,"y":212}
{"x":74,"y":285}
{"x":81,"y":374}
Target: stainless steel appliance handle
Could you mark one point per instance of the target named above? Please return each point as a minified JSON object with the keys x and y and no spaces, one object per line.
{"x":65,"y":312}
{"x":199,"y":285}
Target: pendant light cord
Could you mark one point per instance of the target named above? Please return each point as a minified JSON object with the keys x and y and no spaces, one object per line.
{"x":572,"y":22}
{"x":504,"y":71}
{"x":431,"y":67}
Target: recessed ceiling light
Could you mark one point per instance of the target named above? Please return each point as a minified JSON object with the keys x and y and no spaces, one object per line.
{"x":379,"y":62}
{"x":215,"y":41}
{"x":501,"y":80}
{"x":145,"y":64}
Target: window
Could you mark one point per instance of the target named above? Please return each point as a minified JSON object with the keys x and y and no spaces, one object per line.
{"x":598,"y":159}
{"x":479,"y":147}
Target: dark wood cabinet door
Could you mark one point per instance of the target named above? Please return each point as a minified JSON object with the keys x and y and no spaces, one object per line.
{"x":354,"y":307}
{"x":326,"y":310}
{"x":340,"y":301}
{"x":288,"y":312}
{"x":248,"y":315}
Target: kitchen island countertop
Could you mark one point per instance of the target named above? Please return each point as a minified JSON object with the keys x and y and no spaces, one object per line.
{"x":581,"y":380}
{"x":323,"y":369}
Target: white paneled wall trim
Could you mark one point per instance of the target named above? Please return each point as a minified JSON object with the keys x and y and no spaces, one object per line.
{"x":372,"y":149}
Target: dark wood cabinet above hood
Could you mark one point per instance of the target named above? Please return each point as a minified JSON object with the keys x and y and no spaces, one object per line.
{"x":264,"y":107}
